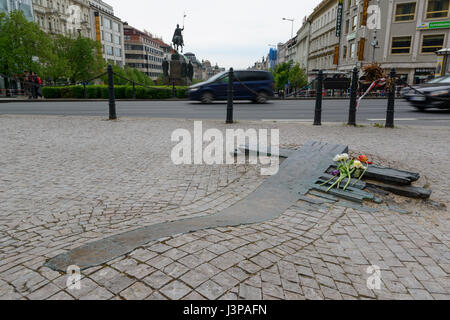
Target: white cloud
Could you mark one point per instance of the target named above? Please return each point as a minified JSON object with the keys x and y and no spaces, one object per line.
{"x":232,"y":33}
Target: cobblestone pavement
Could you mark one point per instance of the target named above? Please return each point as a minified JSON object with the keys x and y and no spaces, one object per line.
{"x":65,"y":181}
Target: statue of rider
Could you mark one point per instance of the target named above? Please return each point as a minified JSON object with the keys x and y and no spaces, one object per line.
{"x":177,"y":39}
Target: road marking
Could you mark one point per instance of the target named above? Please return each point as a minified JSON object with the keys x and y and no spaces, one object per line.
{"x":396,"y":119}
{"x":287,"y":120}
{"x":436,"y":119}
{"x":413,"y":119}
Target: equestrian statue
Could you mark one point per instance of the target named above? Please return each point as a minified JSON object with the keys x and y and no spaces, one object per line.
{"x":177,"y":39}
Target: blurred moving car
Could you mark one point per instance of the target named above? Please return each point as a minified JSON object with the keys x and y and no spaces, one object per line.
{"x":252,"y":85}
{"x":433,"y":94}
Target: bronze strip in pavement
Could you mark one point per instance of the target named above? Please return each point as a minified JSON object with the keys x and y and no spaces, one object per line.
{"x":268,"y":201}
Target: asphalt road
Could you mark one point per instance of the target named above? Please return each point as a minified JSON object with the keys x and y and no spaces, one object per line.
{"x":371,"y":110}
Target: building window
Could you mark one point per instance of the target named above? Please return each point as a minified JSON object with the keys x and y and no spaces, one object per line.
{"x":353,"y":50}
{"x":116,"y":27}
{"x":405,"y":12}
{"x":437,"y":9}
{"x":108,"y":37}
{"x":345,"y":53}
{"x":109,"y":50}
{"x":401,"y":45}
{"x":432,"y":43}
{"x":107,"y":23}
{"x":354,"y":23}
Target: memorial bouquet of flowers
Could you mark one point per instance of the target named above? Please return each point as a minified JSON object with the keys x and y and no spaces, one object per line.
{"x":348,"y":168}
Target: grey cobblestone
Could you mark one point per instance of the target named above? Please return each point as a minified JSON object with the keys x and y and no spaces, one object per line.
{"x":137,"y":291}
{"x":57,"y":192}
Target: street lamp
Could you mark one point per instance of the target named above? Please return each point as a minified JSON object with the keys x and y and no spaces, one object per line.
{"x":374,"y":42}
{"x":292,"y":28}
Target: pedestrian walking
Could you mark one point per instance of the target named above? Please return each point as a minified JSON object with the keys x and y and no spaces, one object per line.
{"x":30,"y":85}
{"x":38,"y":87}
{"x":34,"y":85}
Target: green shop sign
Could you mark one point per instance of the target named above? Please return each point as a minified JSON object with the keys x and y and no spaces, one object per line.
{"x":434,"y":25}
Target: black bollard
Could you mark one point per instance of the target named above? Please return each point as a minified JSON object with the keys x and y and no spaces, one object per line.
{"x":174,"y":90}
{"x":391,"y":101}
{"x":353,"y":89}
{"x":134,"y":90}
{"x":230,"y":96}
{"x":112,"y":97}
{"x":318,"y":111}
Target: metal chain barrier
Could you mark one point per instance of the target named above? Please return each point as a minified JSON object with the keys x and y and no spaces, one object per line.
{"x":249,"y":89}
{"x":302,"y":88}
{"x":131,"y":81}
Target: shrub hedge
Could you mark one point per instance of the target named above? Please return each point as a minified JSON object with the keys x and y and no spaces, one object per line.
{"x":121,"y":92}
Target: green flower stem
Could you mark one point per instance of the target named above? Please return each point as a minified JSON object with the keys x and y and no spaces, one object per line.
{"x":349,"y":178}
{"x":362,"y":175}
{"x":334,"y":177}
{"x":342,"y":177}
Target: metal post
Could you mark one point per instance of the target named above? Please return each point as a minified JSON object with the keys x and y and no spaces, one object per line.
{"x":391,"y":101}
{"x":318,"y":111}
{"x":134,"y":90}
{"x":354,"y":88}
{"x":112,"y":97}
{"x":174,"y":90}
{"x":85,"y":91}
{"x":230,"y":96}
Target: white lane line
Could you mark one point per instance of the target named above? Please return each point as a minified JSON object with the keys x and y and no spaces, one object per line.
{"x":436,"y":119}
{"x":397,"y":119}
{"x":287,"y":120}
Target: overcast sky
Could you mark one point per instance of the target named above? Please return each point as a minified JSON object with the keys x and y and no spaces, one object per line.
{"x":232,"y":33}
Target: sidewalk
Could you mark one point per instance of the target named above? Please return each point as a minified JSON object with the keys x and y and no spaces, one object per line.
{"x":66,"y":181}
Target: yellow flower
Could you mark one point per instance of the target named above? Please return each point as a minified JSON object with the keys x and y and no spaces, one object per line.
{"x":357,"y":164}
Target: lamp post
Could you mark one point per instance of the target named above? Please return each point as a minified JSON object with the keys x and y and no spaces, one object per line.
{"x":374,"y":42}
{"x":292,"y":27}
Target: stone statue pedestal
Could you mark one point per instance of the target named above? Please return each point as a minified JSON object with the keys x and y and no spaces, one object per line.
{"x":175,"y":75}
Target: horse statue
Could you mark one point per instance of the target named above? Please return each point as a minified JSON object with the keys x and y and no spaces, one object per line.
{"x":177,"y":39}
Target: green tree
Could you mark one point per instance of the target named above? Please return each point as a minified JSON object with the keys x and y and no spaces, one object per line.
{"x":56,"y":68}
{"x":297,"y":77}
{"x":287,"y":72}
{"x":83,"y":59}
{"x":281,"y":74}
{"x":132,"y":74}
{"x":23,"y":45}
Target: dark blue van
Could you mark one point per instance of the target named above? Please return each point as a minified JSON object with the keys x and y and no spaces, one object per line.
{"x":252,"y":85}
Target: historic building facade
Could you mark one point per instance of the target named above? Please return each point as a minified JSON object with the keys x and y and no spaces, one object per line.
{"x":302,"y":45}
{"x":343,"y":34}
{"x":26,"y":6}
{"x":108,"y":31}
{"x":143,"y":52}
{"x":324,"y":43}
{"x":67,"y":17}
{"x":404,"y":34}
